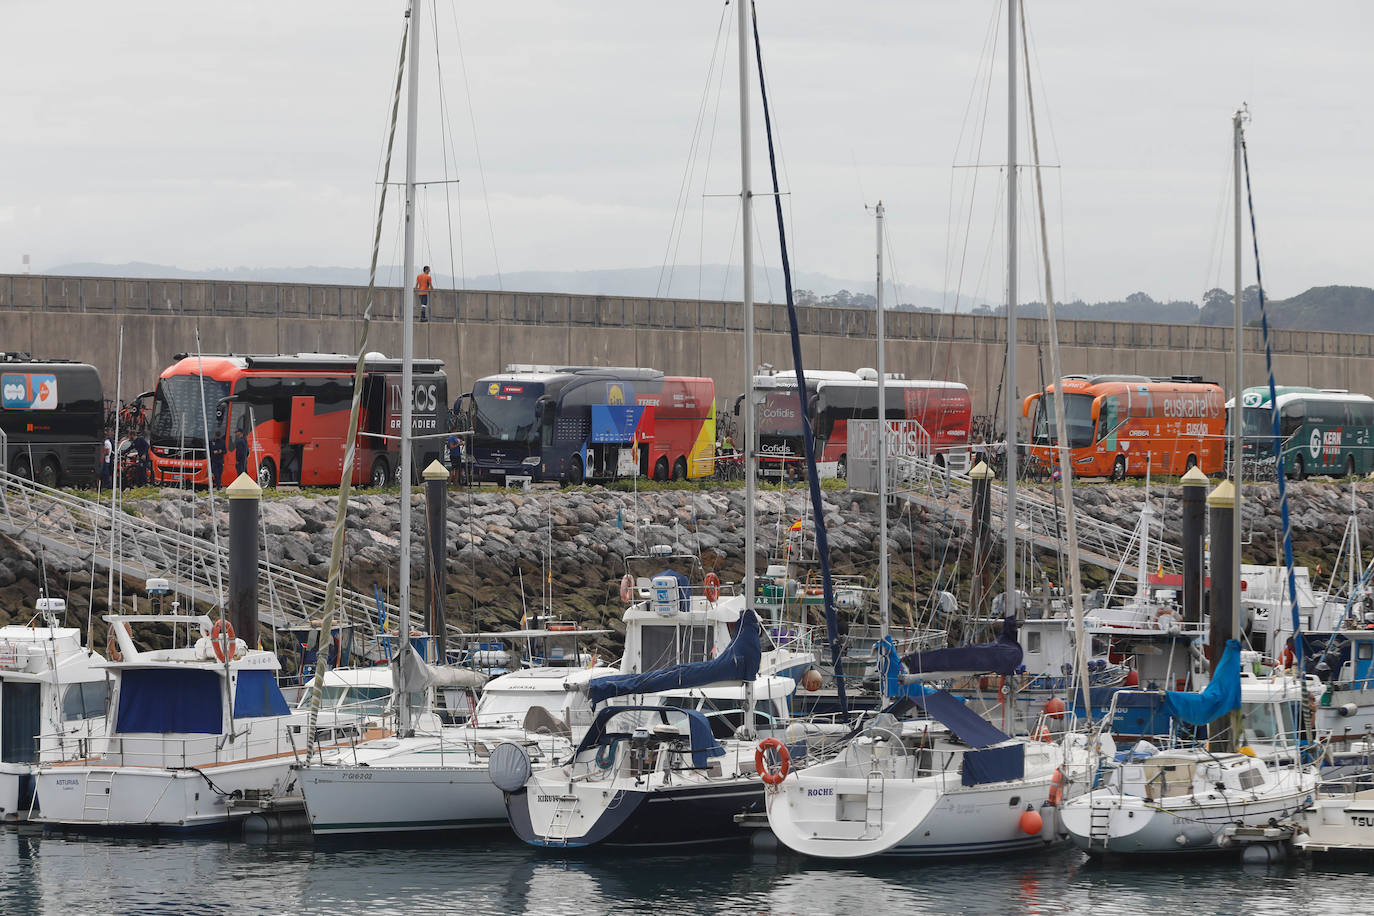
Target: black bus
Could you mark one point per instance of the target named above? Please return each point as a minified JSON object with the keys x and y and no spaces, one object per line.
{"x":51,"y":414}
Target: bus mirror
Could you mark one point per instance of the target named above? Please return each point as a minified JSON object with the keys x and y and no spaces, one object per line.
{"x":1097,"y":407}
{"x":1026,"y":404}
{"x":738,"y":401}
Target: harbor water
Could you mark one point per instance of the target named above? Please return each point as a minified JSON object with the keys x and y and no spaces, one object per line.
{"x":492,"y":874}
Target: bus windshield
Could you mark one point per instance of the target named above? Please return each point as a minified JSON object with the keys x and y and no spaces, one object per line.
{"x":779,"y":415}
{"x":506,"y":415}
{"x":1078,"y":417}
{"x":1255,"y":422}
{"x":179,"y":410}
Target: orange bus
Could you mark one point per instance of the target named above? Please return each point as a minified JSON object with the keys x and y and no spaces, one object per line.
{"x":1123,"y":424}
{"x":293,"y":411}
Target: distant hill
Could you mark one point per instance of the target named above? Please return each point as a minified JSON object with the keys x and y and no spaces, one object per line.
{"x":1326,"y":308}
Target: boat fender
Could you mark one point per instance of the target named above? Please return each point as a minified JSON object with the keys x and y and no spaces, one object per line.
{"x":767,"y":772}
{"x":1348,"y":709}
{"x":1031,"y":822}
{"x":712,"y":587}
{"x":627,"y":588}
{"x":222,"y":638}
{"x":1056,"y":787}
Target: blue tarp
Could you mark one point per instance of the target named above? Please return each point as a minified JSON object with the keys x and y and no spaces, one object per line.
{"x":890,"y":664}
{"x":1221,"y":695}
{"x":165,"y":701}
{"x":603,"y":731}
{"x":996,"y":764}
{"x":950,"y":711}
{"x":257,"y":694}
{"x":739,"y":661}
{"x":1000,"y":657}
{"x":615,"y":423}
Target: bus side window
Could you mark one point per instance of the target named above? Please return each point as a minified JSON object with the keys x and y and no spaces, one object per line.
{"x":1291,"y":418}
{"x":1109,"y":417}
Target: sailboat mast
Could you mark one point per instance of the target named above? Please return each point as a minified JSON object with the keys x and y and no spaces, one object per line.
{"x":408,"y":340}
{"x":883,"y":611}
{"x":747,"y":248}
{"x":1009,"y":606}
{"x":1237,"y":131}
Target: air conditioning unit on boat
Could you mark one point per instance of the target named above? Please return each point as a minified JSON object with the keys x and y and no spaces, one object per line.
{"x":665,"y":597}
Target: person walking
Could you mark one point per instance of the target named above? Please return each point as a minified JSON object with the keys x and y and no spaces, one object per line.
{"x":107,"y":461}
{"x":423,"y":284}
{"x":240,"y":453}
{"x":217,"y":451}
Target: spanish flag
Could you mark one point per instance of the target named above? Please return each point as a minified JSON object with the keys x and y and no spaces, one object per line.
{"x":796,"y":526}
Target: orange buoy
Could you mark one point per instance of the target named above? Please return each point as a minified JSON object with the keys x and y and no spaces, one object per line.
{"x":811,"y":680}
{"x":1031,"y":822}
{"x":1054,"y":707}
{"x":1132,"y":679}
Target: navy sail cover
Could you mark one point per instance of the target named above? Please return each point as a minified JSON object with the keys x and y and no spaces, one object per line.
{"x":618,"y":723}
{"x":739,"y":661}
{"x":950,"y":711}
{"x":1000,"y":657}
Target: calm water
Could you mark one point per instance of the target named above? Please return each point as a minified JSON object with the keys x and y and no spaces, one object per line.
{"x":51,"y":874}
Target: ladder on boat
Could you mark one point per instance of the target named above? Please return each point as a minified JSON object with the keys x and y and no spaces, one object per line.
{"x":1099,"y":825}
{"x":873,"y":803}
{"x":99,"y":789}
{"x":67,"y":524}
{"x":1039,"y":520}
{"x":562,"y":820}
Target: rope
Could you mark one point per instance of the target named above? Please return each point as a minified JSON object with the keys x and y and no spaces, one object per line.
{"x":331,"y":591}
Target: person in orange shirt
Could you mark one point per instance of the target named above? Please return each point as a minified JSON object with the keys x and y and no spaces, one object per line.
{"x":423,"y":284}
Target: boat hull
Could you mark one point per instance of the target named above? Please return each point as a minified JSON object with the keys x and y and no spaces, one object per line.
{"x":379,"y":799}
{"x":1129,"y":825}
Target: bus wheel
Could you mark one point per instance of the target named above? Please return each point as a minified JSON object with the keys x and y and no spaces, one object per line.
{"x":680,"y":469}
{"x":48,"y":474}
{"x":1190,"y":463}
{"x":267,"y":474}
{"x":661,"y":469}
{"x":1119,"y":468}
{"x":575,"y":472}
{"x":1299,"y":472}
{"x":21,"y":468}
{"x":379,"y":475}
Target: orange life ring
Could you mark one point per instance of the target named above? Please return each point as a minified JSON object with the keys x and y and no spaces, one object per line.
{"x":769,"y":775}
{"x":561,"y":627}
{"x":712,"y":587}
{"x":1057,"y":787}
{"x":1286,"y":658}
{"x":112,"y":651}
{"x":627,"y":588}
{"x":224,"y":647}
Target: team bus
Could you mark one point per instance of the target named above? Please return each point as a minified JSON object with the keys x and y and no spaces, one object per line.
{"x":293,"y":411}
{"x":1322,"y":430}
{"x":51,"y":418}
{"x":575,"y":423}
{"x":1123,"y":424}
{"x":943,"y":411}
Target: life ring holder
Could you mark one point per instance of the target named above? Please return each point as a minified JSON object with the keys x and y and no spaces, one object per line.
{"x":222,"y":639}
{"x":712,"y":587}
{"x":767,"y":772}
{"x":627,"y":588}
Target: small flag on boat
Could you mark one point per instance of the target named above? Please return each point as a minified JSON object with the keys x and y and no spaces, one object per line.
{"x":796,"y":526}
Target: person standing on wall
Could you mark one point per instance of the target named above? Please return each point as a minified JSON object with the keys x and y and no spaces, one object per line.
{"x":240,"y":453}
{"x":107,"y":461}
{"x":216,"y":460}
{"x":423,"y":284}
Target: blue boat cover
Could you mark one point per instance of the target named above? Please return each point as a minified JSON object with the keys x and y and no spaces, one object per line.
{"x":950,"y":711}
{"x":1221,"y":695}
{"x":604,"y":732}
{"x":739,"y":661}
{"x":164,"y":701}
{"x":257,"y":694}
{"x":1000,"y":657}
{"x":890,"y":666}
{"x":995,"y":764}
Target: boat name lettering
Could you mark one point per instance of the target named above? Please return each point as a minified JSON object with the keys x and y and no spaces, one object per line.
{"x":356,"y":776}
{"x":67,"y":783}
{"x":1357,"y":820}
{"x":812,"y":793}
{"x":546,"y":799}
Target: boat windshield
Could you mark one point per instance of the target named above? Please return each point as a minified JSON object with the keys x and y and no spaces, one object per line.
{"x":180,"y":406}
{"x":505,"y":413}
{"x":1267,"y":721}
{"x":1078,"y":417}
{"x":367,"y":700}
{"x":515,"y":704}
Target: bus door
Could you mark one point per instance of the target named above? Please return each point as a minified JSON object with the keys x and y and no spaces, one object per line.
{"x":1108,"y":420}
{"x":300,"y":452}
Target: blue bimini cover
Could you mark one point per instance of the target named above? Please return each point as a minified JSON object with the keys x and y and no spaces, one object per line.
{"x":612,"y":724}
{"x":950,"y":711}
{"x":739,"y":661}
{"x":994,"y":764}
{"x":1221,"y":695}
{"x":1000,"y":657}
{"x":164,"y":701}
{"x":257,"y":695}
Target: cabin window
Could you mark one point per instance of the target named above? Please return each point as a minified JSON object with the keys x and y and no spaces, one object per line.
{"x":1249,"y":778}
{"x":84,"y":701}
{"x":1033,"y":642}
{"x":1365,"y":651}
{"x":168,"y":701}
{"x":659,"y":646}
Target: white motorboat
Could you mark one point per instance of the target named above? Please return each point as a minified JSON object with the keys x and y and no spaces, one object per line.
{"x":195,"y":733}
{"x":51,"y":686}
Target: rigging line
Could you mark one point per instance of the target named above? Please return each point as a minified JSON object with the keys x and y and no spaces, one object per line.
{"x":679,"y":221}
{"x":813,"y":481}
{"x":477,"y":149}
{"x":706,"y":174}
{"x":1212,"y":280}
{"x":445,"y":137}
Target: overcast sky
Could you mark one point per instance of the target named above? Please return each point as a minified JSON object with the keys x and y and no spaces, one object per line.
{"x":249,"y":133}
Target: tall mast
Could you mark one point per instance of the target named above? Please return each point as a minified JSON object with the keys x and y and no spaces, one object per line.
{"x":1009,"y":606}
{"x":408,"y":344}
{"x":1237,"y":130}
{"x":883,"y":610}
{"x":747,"y":247}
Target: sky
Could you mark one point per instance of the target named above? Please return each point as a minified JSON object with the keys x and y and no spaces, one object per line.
{"x":605,"y":135}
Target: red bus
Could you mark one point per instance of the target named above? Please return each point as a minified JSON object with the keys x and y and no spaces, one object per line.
{"x":1122,"y":424}
{"x":576,"y":423}
{"x":943,"y":409}
{"x":294,"y":413}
